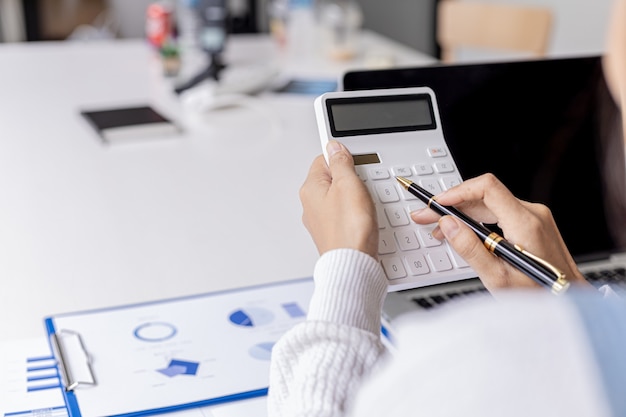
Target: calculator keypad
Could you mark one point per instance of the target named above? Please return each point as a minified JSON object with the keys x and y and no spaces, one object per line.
{"x":406,"y":248}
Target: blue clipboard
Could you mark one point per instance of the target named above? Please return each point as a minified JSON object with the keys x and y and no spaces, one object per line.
{"x":169,"y":355}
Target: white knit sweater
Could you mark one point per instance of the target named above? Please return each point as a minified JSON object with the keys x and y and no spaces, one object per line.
{"x":526,"y":354}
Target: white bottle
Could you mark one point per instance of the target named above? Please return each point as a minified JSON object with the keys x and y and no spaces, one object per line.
{"x":302,"y":30}
{"x":341,"y":22}
{"x":278,"y":13}
{"x":187,"y":24}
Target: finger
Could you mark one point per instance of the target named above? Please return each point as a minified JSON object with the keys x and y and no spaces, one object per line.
{"x":340,"y":160}
{"x":471,"y":248}
{"x":475,"y":210}
{"x":465,"y":242}
{"x":484,"y":198}
{"x":424,"y":216}
{"x":468,"y":197}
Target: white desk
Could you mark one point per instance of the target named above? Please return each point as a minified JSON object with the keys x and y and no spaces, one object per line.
{"x":85,"y":226}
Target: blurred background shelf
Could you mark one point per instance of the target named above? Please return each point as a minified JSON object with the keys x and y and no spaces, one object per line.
{"x":409,"y":22}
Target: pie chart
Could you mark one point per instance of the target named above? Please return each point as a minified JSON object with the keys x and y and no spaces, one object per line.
{"x":251,"y":317}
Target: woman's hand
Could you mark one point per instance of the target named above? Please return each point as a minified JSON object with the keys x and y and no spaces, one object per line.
{"x":338,"y":211}
{"x":528,"y":225}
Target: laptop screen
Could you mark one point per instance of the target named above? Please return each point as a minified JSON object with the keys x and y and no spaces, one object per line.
{"x":548,"y":129}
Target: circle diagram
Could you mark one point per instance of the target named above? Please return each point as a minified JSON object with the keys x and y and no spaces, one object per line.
{"x":155,"y":331}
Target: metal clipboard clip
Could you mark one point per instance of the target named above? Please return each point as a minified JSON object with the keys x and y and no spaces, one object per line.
{"x":74,"y":360}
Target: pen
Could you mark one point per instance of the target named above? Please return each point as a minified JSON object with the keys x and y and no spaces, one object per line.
{"x":533,"y":266}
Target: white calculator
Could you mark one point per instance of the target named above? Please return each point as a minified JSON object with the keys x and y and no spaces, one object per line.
{"x":397,"y":132}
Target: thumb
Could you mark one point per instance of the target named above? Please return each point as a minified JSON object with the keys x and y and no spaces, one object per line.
{"x":469,"y":246}
{"x":340,"y":161}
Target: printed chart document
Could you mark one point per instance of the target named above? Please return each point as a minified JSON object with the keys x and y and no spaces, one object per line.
{"x":168,"y":355}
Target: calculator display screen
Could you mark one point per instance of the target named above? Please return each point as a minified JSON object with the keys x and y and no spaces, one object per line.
{"x":383,"y":114}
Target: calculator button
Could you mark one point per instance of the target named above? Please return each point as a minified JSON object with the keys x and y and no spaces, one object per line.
{"x":422,"y":169}
{"x":449,"y":182}
{"x":417,"y":264}
{"x":415,"y":206}
{"x":427,"y":238}
{"x":382,"y":223}
{"x":393,"y":268}
{"x":437,"y":152}
{"x":378,"y":173}
{"x":440,"y":260}
{"x":407,"y":240}
{"x":361,"y":172}
{"x":402,"y":171}
{"x":431,"y":185}
{"x":387,"y":193}
{"x":443,"y":167}
{"x":386,"y":243}
{"x":396,"y":216}
{"x":407,"y":195}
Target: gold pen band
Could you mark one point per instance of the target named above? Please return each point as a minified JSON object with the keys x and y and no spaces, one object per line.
{"x":492,"y":241}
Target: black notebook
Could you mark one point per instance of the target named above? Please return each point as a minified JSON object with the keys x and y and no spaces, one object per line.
{"x":130,"y":124}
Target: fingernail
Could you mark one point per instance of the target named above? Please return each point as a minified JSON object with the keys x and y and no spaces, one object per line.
{"x":333,"y":147}
{"x":448,"y":226}
{"x":437,"y":234}
{"x":416,"y":215}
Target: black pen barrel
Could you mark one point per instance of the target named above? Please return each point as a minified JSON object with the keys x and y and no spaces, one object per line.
{"x":442,"y":210}
{"x":482,"y":232}
{"x":529,"y":266}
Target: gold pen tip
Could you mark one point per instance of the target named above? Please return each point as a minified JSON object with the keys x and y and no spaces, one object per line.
{"x":404,"y":182}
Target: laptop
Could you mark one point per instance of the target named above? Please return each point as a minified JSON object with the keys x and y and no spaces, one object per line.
{"x":554,"y":136}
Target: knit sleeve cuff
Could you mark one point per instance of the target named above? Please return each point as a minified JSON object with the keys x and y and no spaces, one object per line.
{"x":350,"y":287}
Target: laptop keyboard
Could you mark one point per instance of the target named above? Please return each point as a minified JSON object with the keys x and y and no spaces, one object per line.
{"x":614,"y":276}
{"x":433,"y":300}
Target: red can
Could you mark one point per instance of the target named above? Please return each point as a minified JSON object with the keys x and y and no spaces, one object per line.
{"x":159,"y":23}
